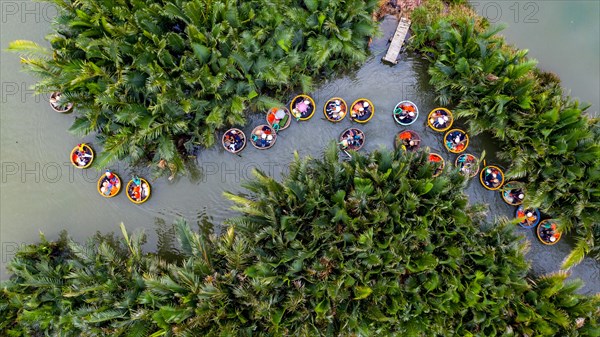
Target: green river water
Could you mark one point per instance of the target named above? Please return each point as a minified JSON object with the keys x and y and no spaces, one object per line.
{"x":563,"y":35}
{"x":41,"y":192}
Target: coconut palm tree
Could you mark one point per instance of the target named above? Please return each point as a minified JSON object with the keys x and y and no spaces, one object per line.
{"x":154,"y":79}
{"x":547,"y":138}
{"x":377,"y":242}
{"x":69,"y":289}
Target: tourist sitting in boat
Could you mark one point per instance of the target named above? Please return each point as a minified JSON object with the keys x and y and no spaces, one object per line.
{"x":466,"y":167}
{"x":513,"y":196}
{"x":234,"y":140}
{"x":548,"y":232}
{"x":135,"y":189}
{"x":436,"y":158}
{"x":57,"y":104}
{"x":145,"y":189}
{"x":408,"y":140}
{"x":302,"y":108}
{"x":335,"y":110}
{"x":352,"y":139}
{"x":456,"y":141}
{"x":82,"y":155}
{"x":361,"y":111}
{"x":492,"y":177}
{"x":279,"y":118}
{"x":439,"y":119}
{"x":263,"y":137}
{"x":405,"y":113}
{"x":406,"y":117}
{"x":529,"y":217}
{"x":138,"y":190}
{"x":513,"y":193}
{"x":110,"y":184}
{"x":468,"y":164}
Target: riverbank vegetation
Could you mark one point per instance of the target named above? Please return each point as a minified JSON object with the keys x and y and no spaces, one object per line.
{"x":155,"y":79}
{"x":547,"y":138}
{"x":374,"y":246}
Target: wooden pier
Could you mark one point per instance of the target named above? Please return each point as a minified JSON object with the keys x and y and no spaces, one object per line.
{"x":397,"y":41}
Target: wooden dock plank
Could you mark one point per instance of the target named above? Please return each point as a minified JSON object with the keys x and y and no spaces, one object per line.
{"x":396,"y":45}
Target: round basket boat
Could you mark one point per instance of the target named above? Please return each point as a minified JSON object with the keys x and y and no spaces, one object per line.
{"x":491,"y":177}
{"x":109,"y":185}
{"x":440,"y":119}
{"x":513,"y":193}
{"x":279,"y":118}
{"x":138,"y":190}
{"x":468,"y":164}
{"x":335,"y":109}
{"x":82,"y":156}
{"x":57,"y":105}
{"x":456,"y":141}
{"x":263,"y":137}
{"x":408,"y":140}
{"x":302,"y":107}
{"x":352,"y":139}
{"x":406,"y":113}
{"x":531,"y":216}
{"x":362,"y":110}
{"x":437,"y":159}
{"x":234,"y":140}
{"x":548,"y":232}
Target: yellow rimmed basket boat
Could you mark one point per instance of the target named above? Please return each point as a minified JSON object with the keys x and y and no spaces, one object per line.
{"x":408,"y":140}
{"x":335,"y":109}
{"x":82,"y":156}
{"x":234,"y":140}
{"x":456,"y":141}
{"x":352,"y":139}
{"x":57,"y":105}
{"x":440,"y":119}
{"x":109,"y":184}
{"x":362,"y":110}
{"x":547,"y":232}
{"x":138,"y":190}
{"x":513,"y":193}
{"x":279,"y":118}
{"x":263,"y":137}
{"x":491,"y":177}
{"x":302,"y":107}
{"x":406,"y":113}
{"x":468,"y":164}
{"x":436,"y":158}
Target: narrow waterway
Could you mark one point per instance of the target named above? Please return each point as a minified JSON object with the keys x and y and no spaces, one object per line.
{"x":40,"y":191}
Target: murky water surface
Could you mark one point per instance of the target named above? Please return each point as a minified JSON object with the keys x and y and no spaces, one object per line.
{"x":563,"y":35}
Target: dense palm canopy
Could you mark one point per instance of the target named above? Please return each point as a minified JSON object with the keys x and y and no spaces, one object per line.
{"x":156,"y":78}
{"x":370,"y":247}
{"x":547,"y":138}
